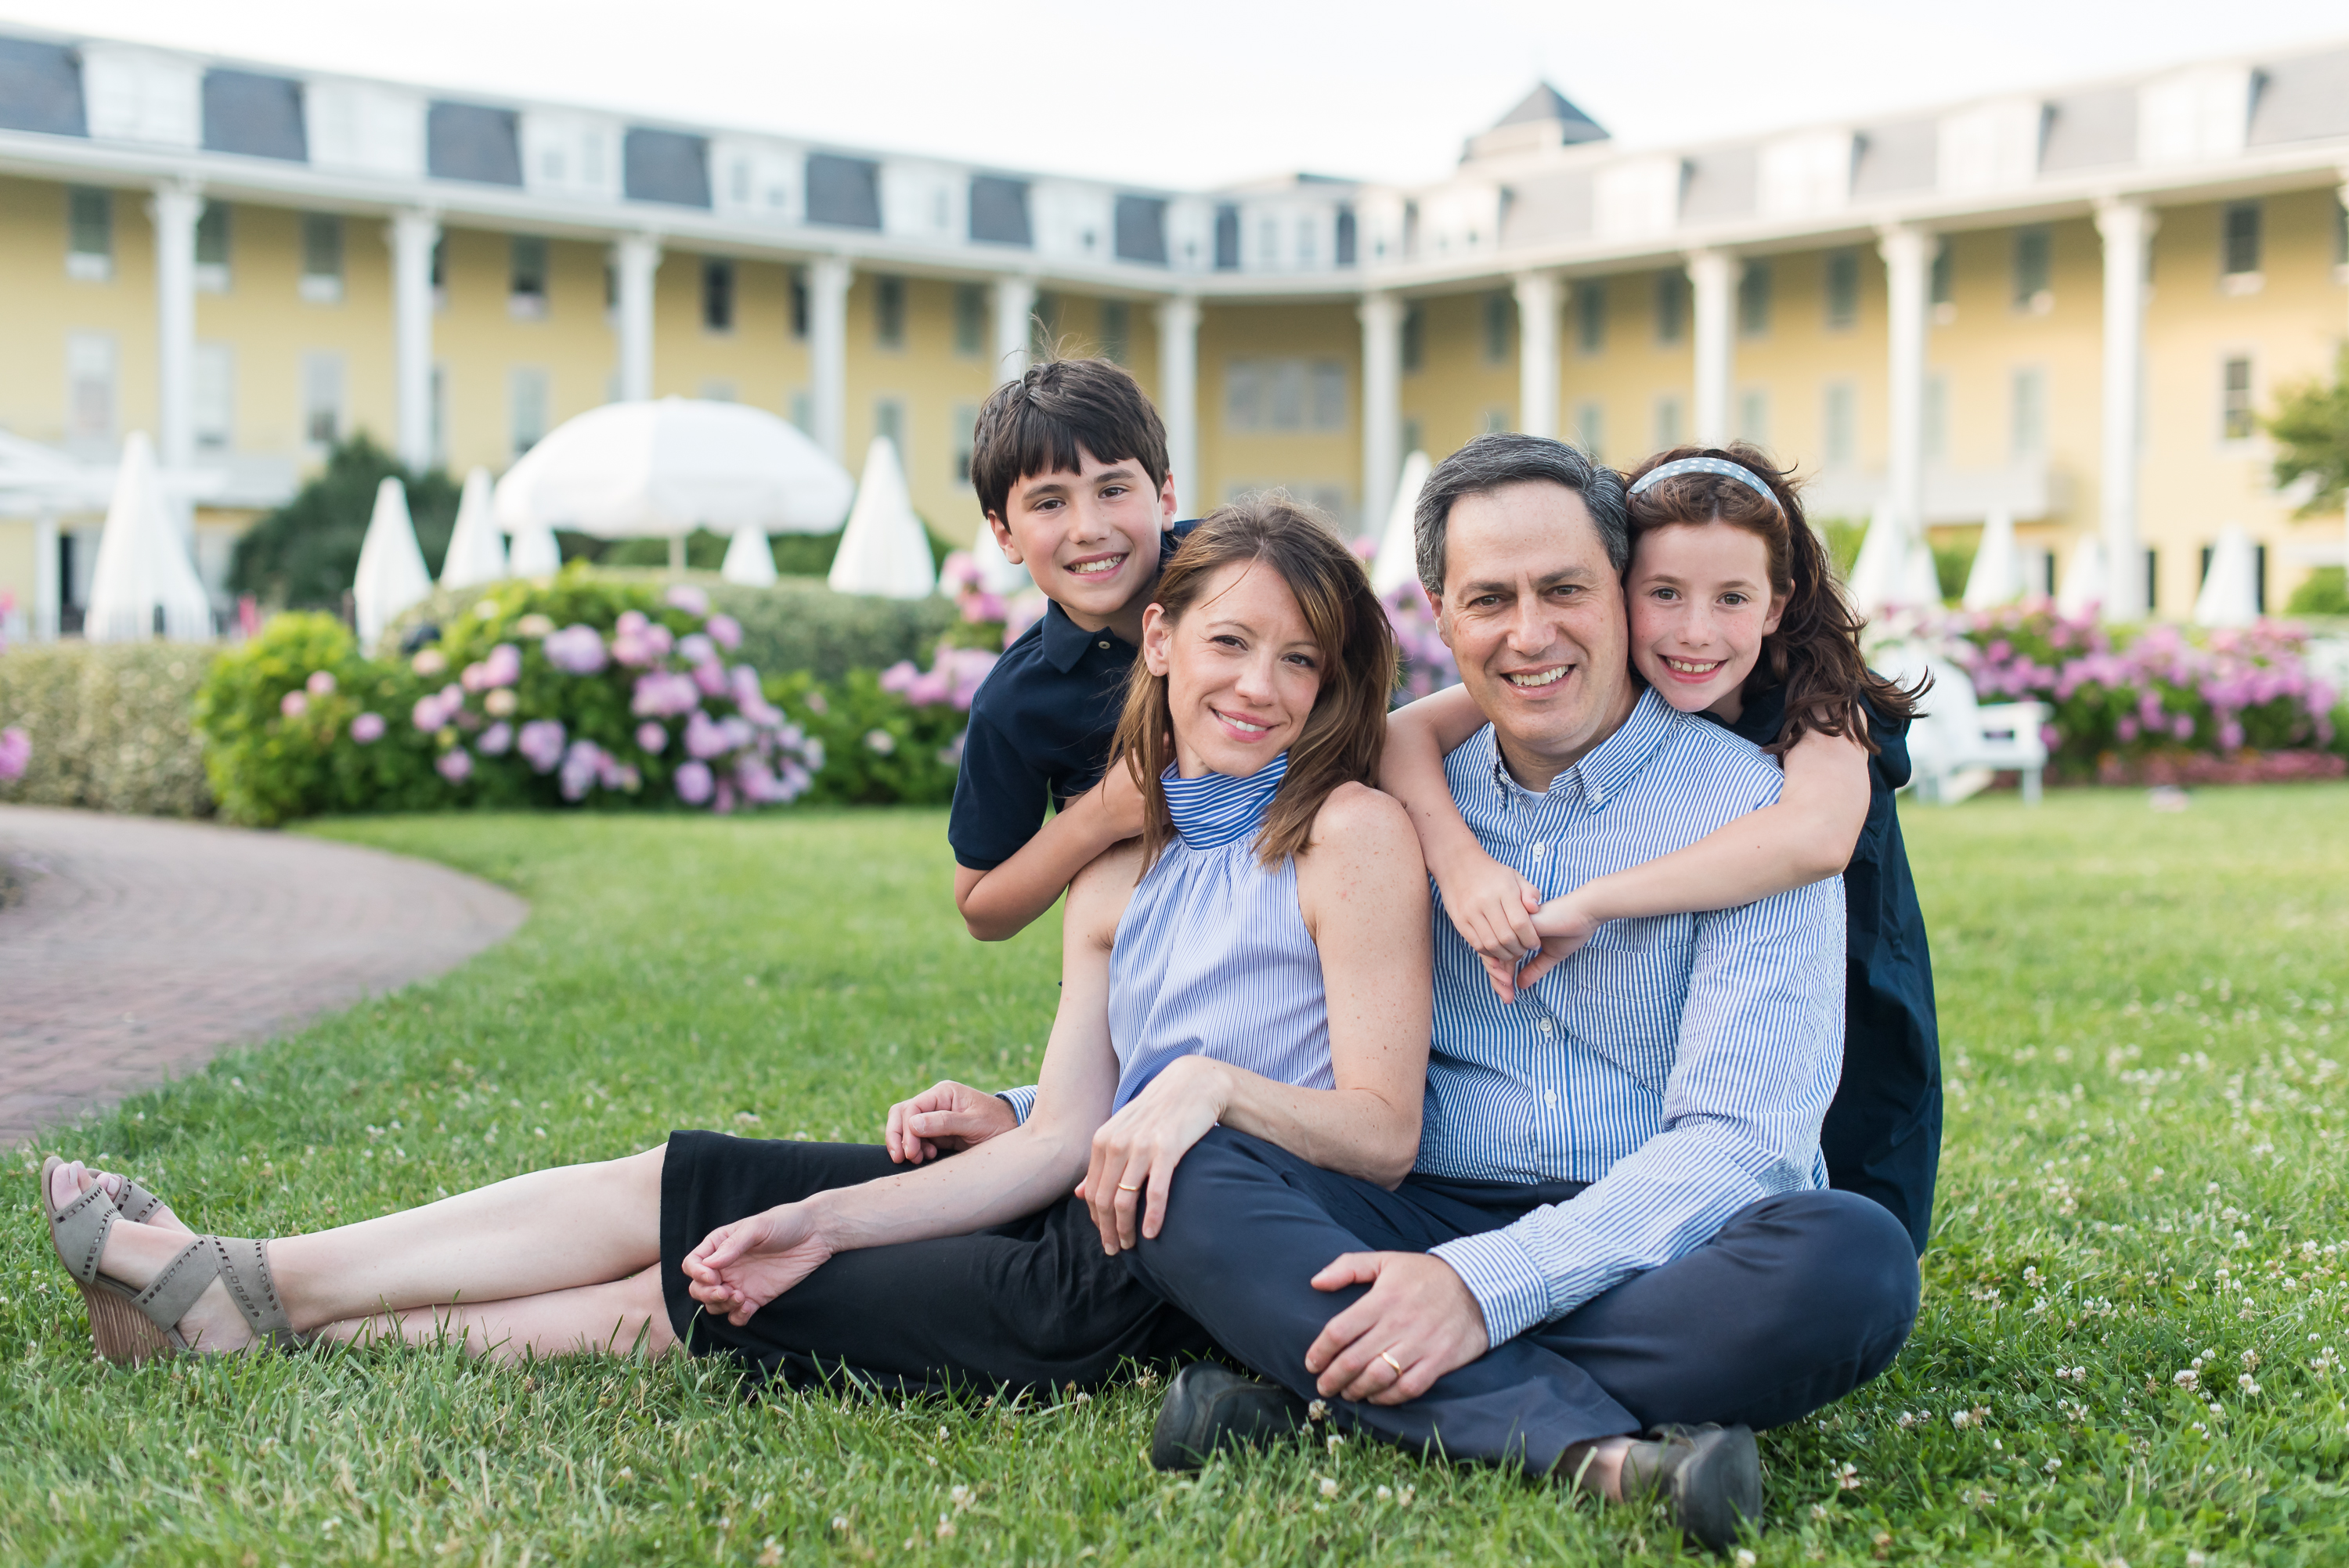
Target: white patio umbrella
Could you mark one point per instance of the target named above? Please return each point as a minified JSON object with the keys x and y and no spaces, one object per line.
{"x":996,"y":572}
{"x":477,"y":551}
{"x":535,"y":551}
{"x":2083,"y":587}
{"x":391,"y":575}
{"x":143,"y":562}
{"x":2230,"y":589}
{"x":1879,"y":574}
{"x":665,"y":468}
{"x":750,"y":557}
{"x":1396,"y":560}
{"x":884,"y":550}
{"x":1997,"y":575}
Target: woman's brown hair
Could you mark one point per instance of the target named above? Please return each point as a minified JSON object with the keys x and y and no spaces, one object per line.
{"x":1348,"y":726}
{"x":1814,"y":652}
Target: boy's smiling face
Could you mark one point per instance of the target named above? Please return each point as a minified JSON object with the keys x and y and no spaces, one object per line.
{"x":1090,"y":538}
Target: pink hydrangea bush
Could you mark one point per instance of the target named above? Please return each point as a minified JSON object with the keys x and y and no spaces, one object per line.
{"x":1427,"y":663}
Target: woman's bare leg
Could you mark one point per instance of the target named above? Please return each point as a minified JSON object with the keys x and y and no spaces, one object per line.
{"x":624,"y":1318}
{"x":526,"y":1236}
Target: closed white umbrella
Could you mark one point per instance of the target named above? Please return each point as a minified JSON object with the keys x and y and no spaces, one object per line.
{"x":477,"y":552}
{"x":2082,"y":588}
{"x":750,"y":557}
{"x":1997,"y":574}
{"x":143,"y":562}
{"x":885,"y":549}
{"x":1397,"y":560}
{"x":1881,"y":573}
{"x":2230,"y":589}
{"x":665,"y":468}
{"x":996,"y":572}
{"x":536,"y":552}
{"x":391,"y":575}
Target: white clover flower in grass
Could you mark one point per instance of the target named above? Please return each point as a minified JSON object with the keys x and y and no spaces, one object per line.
{"x":1847,"y":1477}
{"x":1329,"y":1486}
{"x":2190,"y":1379}
{"x":1746,"y":1558}
{"x":1384,"y":1493}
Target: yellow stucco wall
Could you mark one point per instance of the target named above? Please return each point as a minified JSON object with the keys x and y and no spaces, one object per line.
{"x":1321,"y":468}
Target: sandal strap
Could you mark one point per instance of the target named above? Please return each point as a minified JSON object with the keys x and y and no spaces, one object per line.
{"x":78,"y":1231}
{"x":137,"y":1204}
{"x":186,"y":1277}
{"x":244,"y":1269}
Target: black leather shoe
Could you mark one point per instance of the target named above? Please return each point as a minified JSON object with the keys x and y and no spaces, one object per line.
{"x":1210,"y":1408}
{"x":1710,"y":1475}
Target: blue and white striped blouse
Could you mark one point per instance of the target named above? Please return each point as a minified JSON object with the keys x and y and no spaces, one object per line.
{"x":1680,"y":1065}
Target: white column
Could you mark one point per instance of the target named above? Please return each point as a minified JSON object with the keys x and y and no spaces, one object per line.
{"x":411,"y":236}
{"x":1908,"y":277}
{"x":1382,"y":317}
{"x":1712,"y":278}
{"x":828,"y":278}
{"x":2127,"y":228}
{"x":175,"y":209}
{"x":1015,"y":305}
{"x":1178,"y":396}
{"x":635,"y":259}
{"x":1538,"y":303}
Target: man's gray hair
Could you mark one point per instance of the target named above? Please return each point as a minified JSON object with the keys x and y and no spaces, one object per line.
{"x":1507,"y":458}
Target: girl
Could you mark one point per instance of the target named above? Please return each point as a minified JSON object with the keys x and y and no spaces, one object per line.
{"x":1259,"y":959}
{"x":1734,"y":613}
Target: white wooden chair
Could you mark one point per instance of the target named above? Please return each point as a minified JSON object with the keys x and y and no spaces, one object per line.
{"x":1958,"y":743}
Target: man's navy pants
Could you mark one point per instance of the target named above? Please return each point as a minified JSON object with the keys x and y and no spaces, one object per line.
{"x":1799,"y":1300}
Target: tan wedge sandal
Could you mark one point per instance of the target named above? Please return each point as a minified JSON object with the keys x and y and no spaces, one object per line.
{"x":130,"y":1326}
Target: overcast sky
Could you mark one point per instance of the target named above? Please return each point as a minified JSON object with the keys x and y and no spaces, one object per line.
{"x":1208,"y":91}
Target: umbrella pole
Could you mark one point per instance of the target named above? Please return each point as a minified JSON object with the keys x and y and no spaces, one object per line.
{"x":676,"y":552}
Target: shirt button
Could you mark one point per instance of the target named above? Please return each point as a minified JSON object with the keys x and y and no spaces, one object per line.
{"x":1104,"y":642}
{"x":1545,"y":1026}
{"x":1549,"y":1097}
{"x":1537,"y":851}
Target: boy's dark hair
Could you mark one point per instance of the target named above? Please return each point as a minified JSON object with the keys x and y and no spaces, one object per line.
{"x":1035,"y":425}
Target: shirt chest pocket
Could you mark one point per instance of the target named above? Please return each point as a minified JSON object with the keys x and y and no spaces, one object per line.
{"x":1629,"y":982}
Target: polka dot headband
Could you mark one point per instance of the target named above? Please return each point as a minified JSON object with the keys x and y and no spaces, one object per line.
{"x":1721,"y":465}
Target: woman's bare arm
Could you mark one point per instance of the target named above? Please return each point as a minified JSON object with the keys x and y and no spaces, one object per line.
{"x":1490,"y":904}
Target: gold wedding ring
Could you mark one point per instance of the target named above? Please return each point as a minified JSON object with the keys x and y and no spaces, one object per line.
{"x":1124,"y":1188}
{"x":1388,"y":1356}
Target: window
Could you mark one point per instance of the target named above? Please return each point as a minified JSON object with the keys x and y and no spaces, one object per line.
{"x":799,"y":303}
{"x":89,"y":388}
{"x":965,"y":425}
{"x":1668,"y":423}
{"x":971,"y":319}
{"x":212,"y":248}
{"x":2239,"y":245}
{"x":526,"y":278}
{"x":1937,"y":284}
{"x":1590,"y":316}
{"x":440,"y":414}
{"x":322,"y":258}
{"x":889,"y":420}
{"x":321,"y":399}
{"x":2032,"y":270}
{"x":525,"y":409}
{"x":1306,"y":230}
{"x":1671,"y":305}
{"x":1228,"y":238}
{"x":90,"y":234}
{"x":1936,"y":419}
{"x":2237,"y":419}
{"x":1116,"y":330}
{"x":1415,"y":340}
{"x":1494,"y":420}
{"x":1842,"y":290}
{"x":441,"y":275}
{"x":1754,"y":300}
{"x":1284,"y":394}
{"x":214,"y":410}
{"x":889,"y":311}
{"x":2027,"y":432}
{"x":1590,"y":429}
{"x":1044,"y":324}
{"x":1268,"y":243}
{"x":716,"y":295}
{"x":1500,"y":327}
{"x":1839,"y":425}
{"x":1754,"y":416}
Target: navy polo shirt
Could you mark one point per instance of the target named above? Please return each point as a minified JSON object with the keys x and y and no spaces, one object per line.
{"x":1041,"y":729}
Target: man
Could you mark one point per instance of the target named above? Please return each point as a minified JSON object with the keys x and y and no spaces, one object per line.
{"x":1620,"y":1219}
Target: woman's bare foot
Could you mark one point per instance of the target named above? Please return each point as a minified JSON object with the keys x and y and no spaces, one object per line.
{"x":161,"y":1216}
{"x":136,"y":1254}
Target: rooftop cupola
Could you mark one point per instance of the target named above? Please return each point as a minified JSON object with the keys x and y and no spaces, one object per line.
{"x":1545,"y":118}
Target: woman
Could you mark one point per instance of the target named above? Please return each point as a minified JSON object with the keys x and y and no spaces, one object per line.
{"x":1260,"y":959}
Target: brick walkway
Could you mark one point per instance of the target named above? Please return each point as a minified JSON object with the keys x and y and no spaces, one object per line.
{"x":133,"y":948}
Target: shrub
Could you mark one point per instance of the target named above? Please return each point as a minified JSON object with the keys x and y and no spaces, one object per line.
{"x":106,"y":727}
{"x":1427,"y":664}
{"x":305,"y":554}
{"x":578,"y":689}
{"x":2325,"y":592}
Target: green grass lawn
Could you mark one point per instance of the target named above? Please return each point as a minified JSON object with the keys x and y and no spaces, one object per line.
{"x":2146,"y":1142}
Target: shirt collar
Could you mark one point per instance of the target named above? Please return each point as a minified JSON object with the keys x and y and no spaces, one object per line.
{"x":1214,"y":809}
{"x":1065,"y":642}
{"x":1607,"y":768}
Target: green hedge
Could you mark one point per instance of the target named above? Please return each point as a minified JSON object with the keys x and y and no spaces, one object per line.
{"x":111,"y":726}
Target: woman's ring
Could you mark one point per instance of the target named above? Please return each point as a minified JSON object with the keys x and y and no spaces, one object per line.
{"x":1124,"y":1188}
{"x":1388,"y":1356}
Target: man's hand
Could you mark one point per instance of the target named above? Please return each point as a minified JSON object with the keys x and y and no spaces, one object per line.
{"x":740,"y":1268}
{"x":1418,"y":1316}
{"x":1564,"y":928}
{"x":943,"y":1118}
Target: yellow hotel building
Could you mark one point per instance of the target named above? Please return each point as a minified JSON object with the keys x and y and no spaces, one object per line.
{"x":2069,"y":305}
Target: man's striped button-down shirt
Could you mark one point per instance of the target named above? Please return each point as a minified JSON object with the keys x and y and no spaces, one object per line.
{"x":1680,"y":1065}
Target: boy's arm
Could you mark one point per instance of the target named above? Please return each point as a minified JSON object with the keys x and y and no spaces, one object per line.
{"x":1489,"y":904}
{"x":1001,"y":903}
{"x":1807,"y":837}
